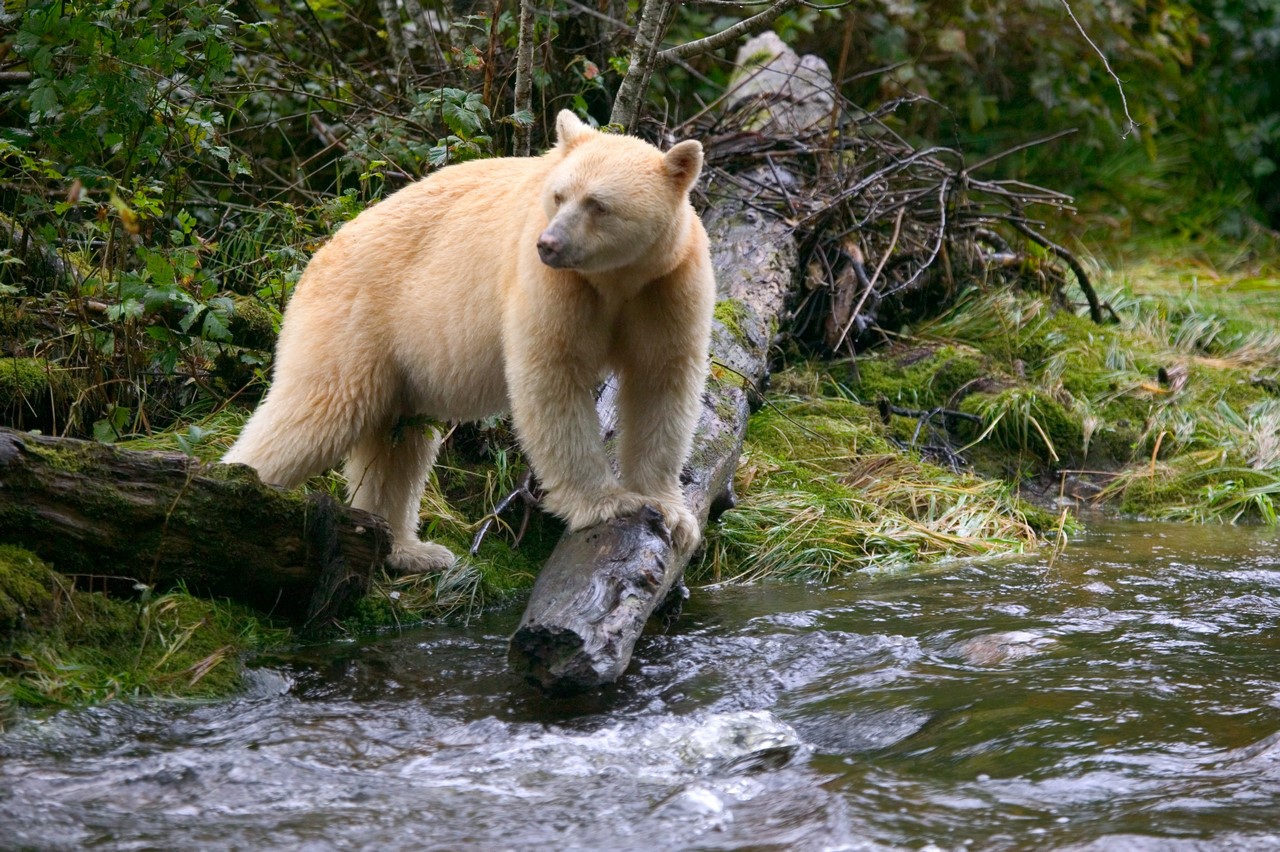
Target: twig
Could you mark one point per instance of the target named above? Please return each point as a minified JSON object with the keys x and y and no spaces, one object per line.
{"x":1082,"y":278}
{"x":718,"y":40}
{"x":875,"y":276}
{"x":922,"y":414}
{"x":1044,"y":140}
{"x":1130,"y":125}
{"x":525,"y":492}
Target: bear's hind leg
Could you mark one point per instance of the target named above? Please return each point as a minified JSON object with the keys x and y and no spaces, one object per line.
{"x":287,"y":440}
{"x":387,"y":475}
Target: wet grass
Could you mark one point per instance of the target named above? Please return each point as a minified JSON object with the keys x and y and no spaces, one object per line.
{"x":827,"y":489}
{"x":1172,"y":409}
{"x":63,"y":645}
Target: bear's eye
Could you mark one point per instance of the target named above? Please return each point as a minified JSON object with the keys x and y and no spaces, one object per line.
{"x":557,"y":199}
{"x":596,"y":206}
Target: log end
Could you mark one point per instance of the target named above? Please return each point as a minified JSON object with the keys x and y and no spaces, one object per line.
{"x":591,"y":601}
{"x":556,"y":659}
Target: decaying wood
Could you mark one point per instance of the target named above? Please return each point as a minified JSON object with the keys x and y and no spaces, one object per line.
{"x":597,"y":591}
{"x":98,"y":511}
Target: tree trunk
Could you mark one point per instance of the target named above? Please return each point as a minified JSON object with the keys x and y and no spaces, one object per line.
{"x":598,"y":589}
{"x":120,"y":517}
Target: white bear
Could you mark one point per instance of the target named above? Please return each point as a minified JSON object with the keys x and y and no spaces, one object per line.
{"x":506,"y":284}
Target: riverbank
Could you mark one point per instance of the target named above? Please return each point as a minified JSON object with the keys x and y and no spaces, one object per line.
{"x":971,"y":434}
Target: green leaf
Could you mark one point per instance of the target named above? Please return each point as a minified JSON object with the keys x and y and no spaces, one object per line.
{"x":127,"y":309}
{"x":464,"y":113}
{"x":110,"y":428}
{"x":190,"y":317}
{"x":160,"y":269}
{"x":215,"y":327}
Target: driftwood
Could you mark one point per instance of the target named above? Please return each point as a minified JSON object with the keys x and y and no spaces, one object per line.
{"x":600,"y":586}
{"x":119,"y":517}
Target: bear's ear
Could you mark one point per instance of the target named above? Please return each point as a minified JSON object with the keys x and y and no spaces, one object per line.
{"x":684,"y":163}
{"x":569,"y":129}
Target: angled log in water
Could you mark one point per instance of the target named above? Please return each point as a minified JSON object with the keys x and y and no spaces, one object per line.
{"x":119,"y":517}
{"x":600,"y":586}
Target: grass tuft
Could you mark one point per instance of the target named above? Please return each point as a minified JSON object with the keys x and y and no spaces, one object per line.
{"x":823,"y":492}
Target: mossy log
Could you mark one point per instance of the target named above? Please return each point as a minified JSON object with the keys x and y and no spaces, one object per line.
{"x":600,"y":586}
{"x":121,"y":517}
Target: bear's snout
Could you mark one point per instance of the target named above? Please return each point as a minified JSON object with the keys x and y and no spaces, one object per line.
{"x":551,"y":250}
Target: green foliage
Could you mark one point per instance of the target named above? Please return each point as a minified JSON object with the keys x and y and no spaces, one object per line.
{"x":1198,"y":77}
{"x":119,"y":91}
{"x":467,"y":118}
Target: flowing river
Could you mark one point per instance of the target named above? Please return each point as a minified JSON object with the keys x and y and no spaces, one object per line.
{"x":1125,"y":697}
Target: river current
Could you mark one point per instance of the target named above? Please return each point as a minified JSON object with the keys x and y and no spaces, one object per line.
{"x":1123,"y":697}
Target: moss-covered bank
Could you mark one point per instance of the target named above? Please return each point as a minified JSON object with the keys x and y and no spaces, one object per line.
{"x":61,"y":644}
{"x":1171,"y":411}
{"x":826,"y":487}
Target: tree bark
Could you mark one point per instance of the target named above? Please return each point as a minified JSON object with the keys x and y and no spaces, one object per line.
{"x":600,"y":586}
{"x":120,"y":517}
{"x":524,"y":78}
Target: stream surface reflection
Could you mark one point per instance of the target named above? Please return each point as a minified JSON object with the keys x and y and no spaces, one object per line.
{"x":1128,"y":697}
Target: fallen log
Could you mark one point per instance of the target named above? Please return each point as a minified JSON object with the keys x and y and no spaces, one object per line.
{"x":598,"y":589}
{"x":120,"y":517}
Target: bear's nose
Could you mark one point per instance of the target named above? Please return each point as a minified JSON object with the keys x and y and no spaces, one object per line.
{"x":549,"y":248}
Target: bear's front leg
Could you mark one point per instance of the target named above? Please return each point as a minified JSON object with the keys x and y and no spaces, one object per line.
{"x":553,"y":408}
{"x":664,"y":362}
{"x":657,"y":411}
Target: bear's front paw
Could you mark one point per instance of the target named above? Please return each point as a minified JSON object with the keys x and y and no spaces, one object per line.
{"x":581,"y":513}
{"x":420,"y":557}
{"x":686,"y":532}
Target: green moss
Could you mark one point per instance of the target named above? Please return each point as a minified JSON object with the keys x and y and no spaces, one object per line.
{"x":253,"y":324}
{"x":26,"y":590}
{"x":68,"y":458}
{"x":60,"y":645}
{"x":823,"y":491}
{"x":920,"y":377}
{"x":731,"y":314}
{"x":1170,"y":400}
{"x":24,"y":377}
{"x":35,"y":394}
{"x":18,"y":325}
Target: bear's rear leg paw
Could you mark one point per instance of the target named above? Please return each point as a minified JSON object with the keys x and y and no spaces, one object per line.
{"x":420,"y":557}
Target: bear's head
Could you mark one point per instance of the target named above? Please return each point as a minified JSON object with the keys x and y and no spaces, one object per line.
{"x":615,"y":201}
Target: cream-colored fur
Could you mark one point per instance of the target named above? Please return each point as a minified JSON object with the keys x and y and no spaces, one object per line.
{"x":509,"y":284}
